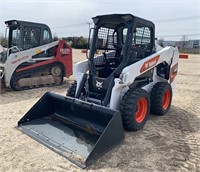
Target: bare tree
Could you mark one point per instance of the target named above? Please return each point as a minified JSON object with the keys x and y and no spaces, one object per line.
{"x":161,"y":42}
{"x":55,"y":37}
{"x":184,"y":42}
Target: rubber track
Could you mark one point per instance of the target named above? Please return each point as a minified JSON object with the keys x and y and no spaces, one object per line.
{"x":27,"y":73}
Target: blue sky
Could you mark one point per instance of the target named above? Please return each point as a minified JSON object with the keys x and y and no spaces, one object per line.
{"x":173,"y":18}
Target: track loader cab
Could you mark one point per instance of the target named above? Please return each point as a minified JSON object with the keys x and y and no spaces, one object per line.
{"x":26,"y":35}
{"x":121,"y":40}
{"x":23,"y":35}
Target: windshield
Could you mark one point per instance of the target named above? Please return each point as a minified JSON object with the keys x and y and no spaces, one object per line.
{"x":107,"y":39}
{"x":110,"y":39}
{"x":107,"y":48}
{"x":15,"y":35}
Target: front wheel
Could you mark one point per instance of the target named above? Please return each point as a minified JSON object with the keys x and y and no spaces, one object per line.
{"x":134,"y":108}
{"x":72,"y":90}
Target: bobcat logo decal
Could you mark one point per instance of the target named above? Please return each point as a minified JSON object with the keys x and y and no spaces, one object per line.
{"x":99,"y":84}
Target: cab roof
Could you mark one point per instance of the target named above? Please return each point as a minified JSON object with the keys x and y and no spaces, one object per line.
{"x":11,"y":23}
{"x":111,"y":20}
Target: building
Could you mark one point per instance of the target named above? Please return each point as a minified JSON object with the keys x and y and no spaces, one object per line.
{"x":194,"y":44}
{"x":181,"y":44}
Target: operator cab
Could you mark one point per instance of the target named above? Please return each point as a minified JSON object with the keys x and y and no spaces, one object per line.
{"x":26,"y":35}
{"x":23,"y":35}
{"x":120,"y":40}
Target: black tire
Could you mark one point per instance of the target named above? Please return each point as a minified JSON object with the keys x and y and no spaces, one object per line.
{"x":13,"y":83}
{"x":72,"y":90}
{"x":134,"y":113}
{"x":161,"y":98}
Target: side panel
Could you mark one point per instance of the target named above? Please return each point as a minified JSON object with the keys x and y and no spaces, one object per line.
{"x":15,"y":59}
{"x":174,"y":70}
{"x":168,"y":55}
{"x":63,"y":55}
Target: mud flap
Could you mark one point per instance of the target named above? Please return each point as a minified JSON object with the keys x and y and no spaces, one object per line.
{"x":77,"y":130}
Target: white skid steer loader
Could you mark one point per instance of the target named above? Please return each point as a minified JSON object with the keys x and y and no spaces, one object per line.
{"x":113,"y":89}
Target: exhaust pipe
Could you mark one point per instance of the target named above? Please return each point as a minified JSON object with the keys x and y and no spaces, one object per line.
{"x":77,"y":130}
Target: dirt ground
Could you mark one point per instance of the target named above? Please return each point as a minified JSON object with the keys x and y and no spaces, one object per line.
{"x":168,"y":143}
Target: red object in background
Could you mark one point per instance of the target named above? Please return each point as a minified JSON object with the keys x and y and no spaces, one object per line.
{"x":183,"y":56}
{"x":84,"y":51}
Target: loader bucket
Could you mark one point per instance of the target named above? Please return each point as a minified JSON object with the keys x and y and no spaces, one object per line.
{"x":77,"y":130}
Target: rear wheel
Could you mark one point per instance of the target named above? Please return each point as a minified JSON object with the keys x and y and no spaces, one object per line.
{"x":134,"y":108}
{"x":161,"y":97}
{"x":56,"y":71}
{"x":72,"y":90}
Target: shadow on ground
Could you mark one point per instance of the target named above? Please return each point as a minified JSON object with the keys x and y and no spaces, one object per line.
{"x":167,"y":143}
{"x":11,"y":96}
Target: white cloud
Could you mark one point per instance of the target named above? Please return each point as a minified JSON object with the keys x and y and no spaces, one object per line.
{"x":69,"y":12}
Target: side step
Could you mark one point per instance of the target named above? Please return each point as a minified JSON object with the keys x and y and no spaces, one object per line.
{"x":77,"y":130}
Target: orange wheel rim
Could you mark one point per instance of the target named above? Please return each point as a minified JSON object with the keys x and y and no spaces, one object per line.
{"x":166,"y":99}
{"x":141,"y":110}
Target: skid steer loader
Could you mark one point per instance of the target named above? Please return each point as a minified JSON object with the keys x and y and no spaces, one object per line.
{"x":115,"y":88}
{"x":32,"y":58}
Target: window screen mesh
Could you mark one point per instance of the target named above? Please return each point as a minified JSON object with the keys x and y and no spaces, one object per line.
{"x":106,"y":38}
{"x":31,"y":37}
{"x":142,"y":35}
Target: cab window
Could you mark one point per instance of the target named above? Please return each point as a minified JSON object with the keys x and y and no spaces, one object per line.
{"x":46,"y":36}
{"x":31,"y":37}
{"x":142,"y":36}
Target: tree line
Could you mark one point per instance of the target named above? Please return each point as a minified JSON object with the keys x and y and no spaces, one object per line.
{"x":3,"y":41}
{"x":76,"y":42}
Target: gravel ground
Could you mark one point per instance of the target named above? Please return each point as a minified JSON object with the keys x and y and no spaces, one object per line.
{"x":167,"y":143}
